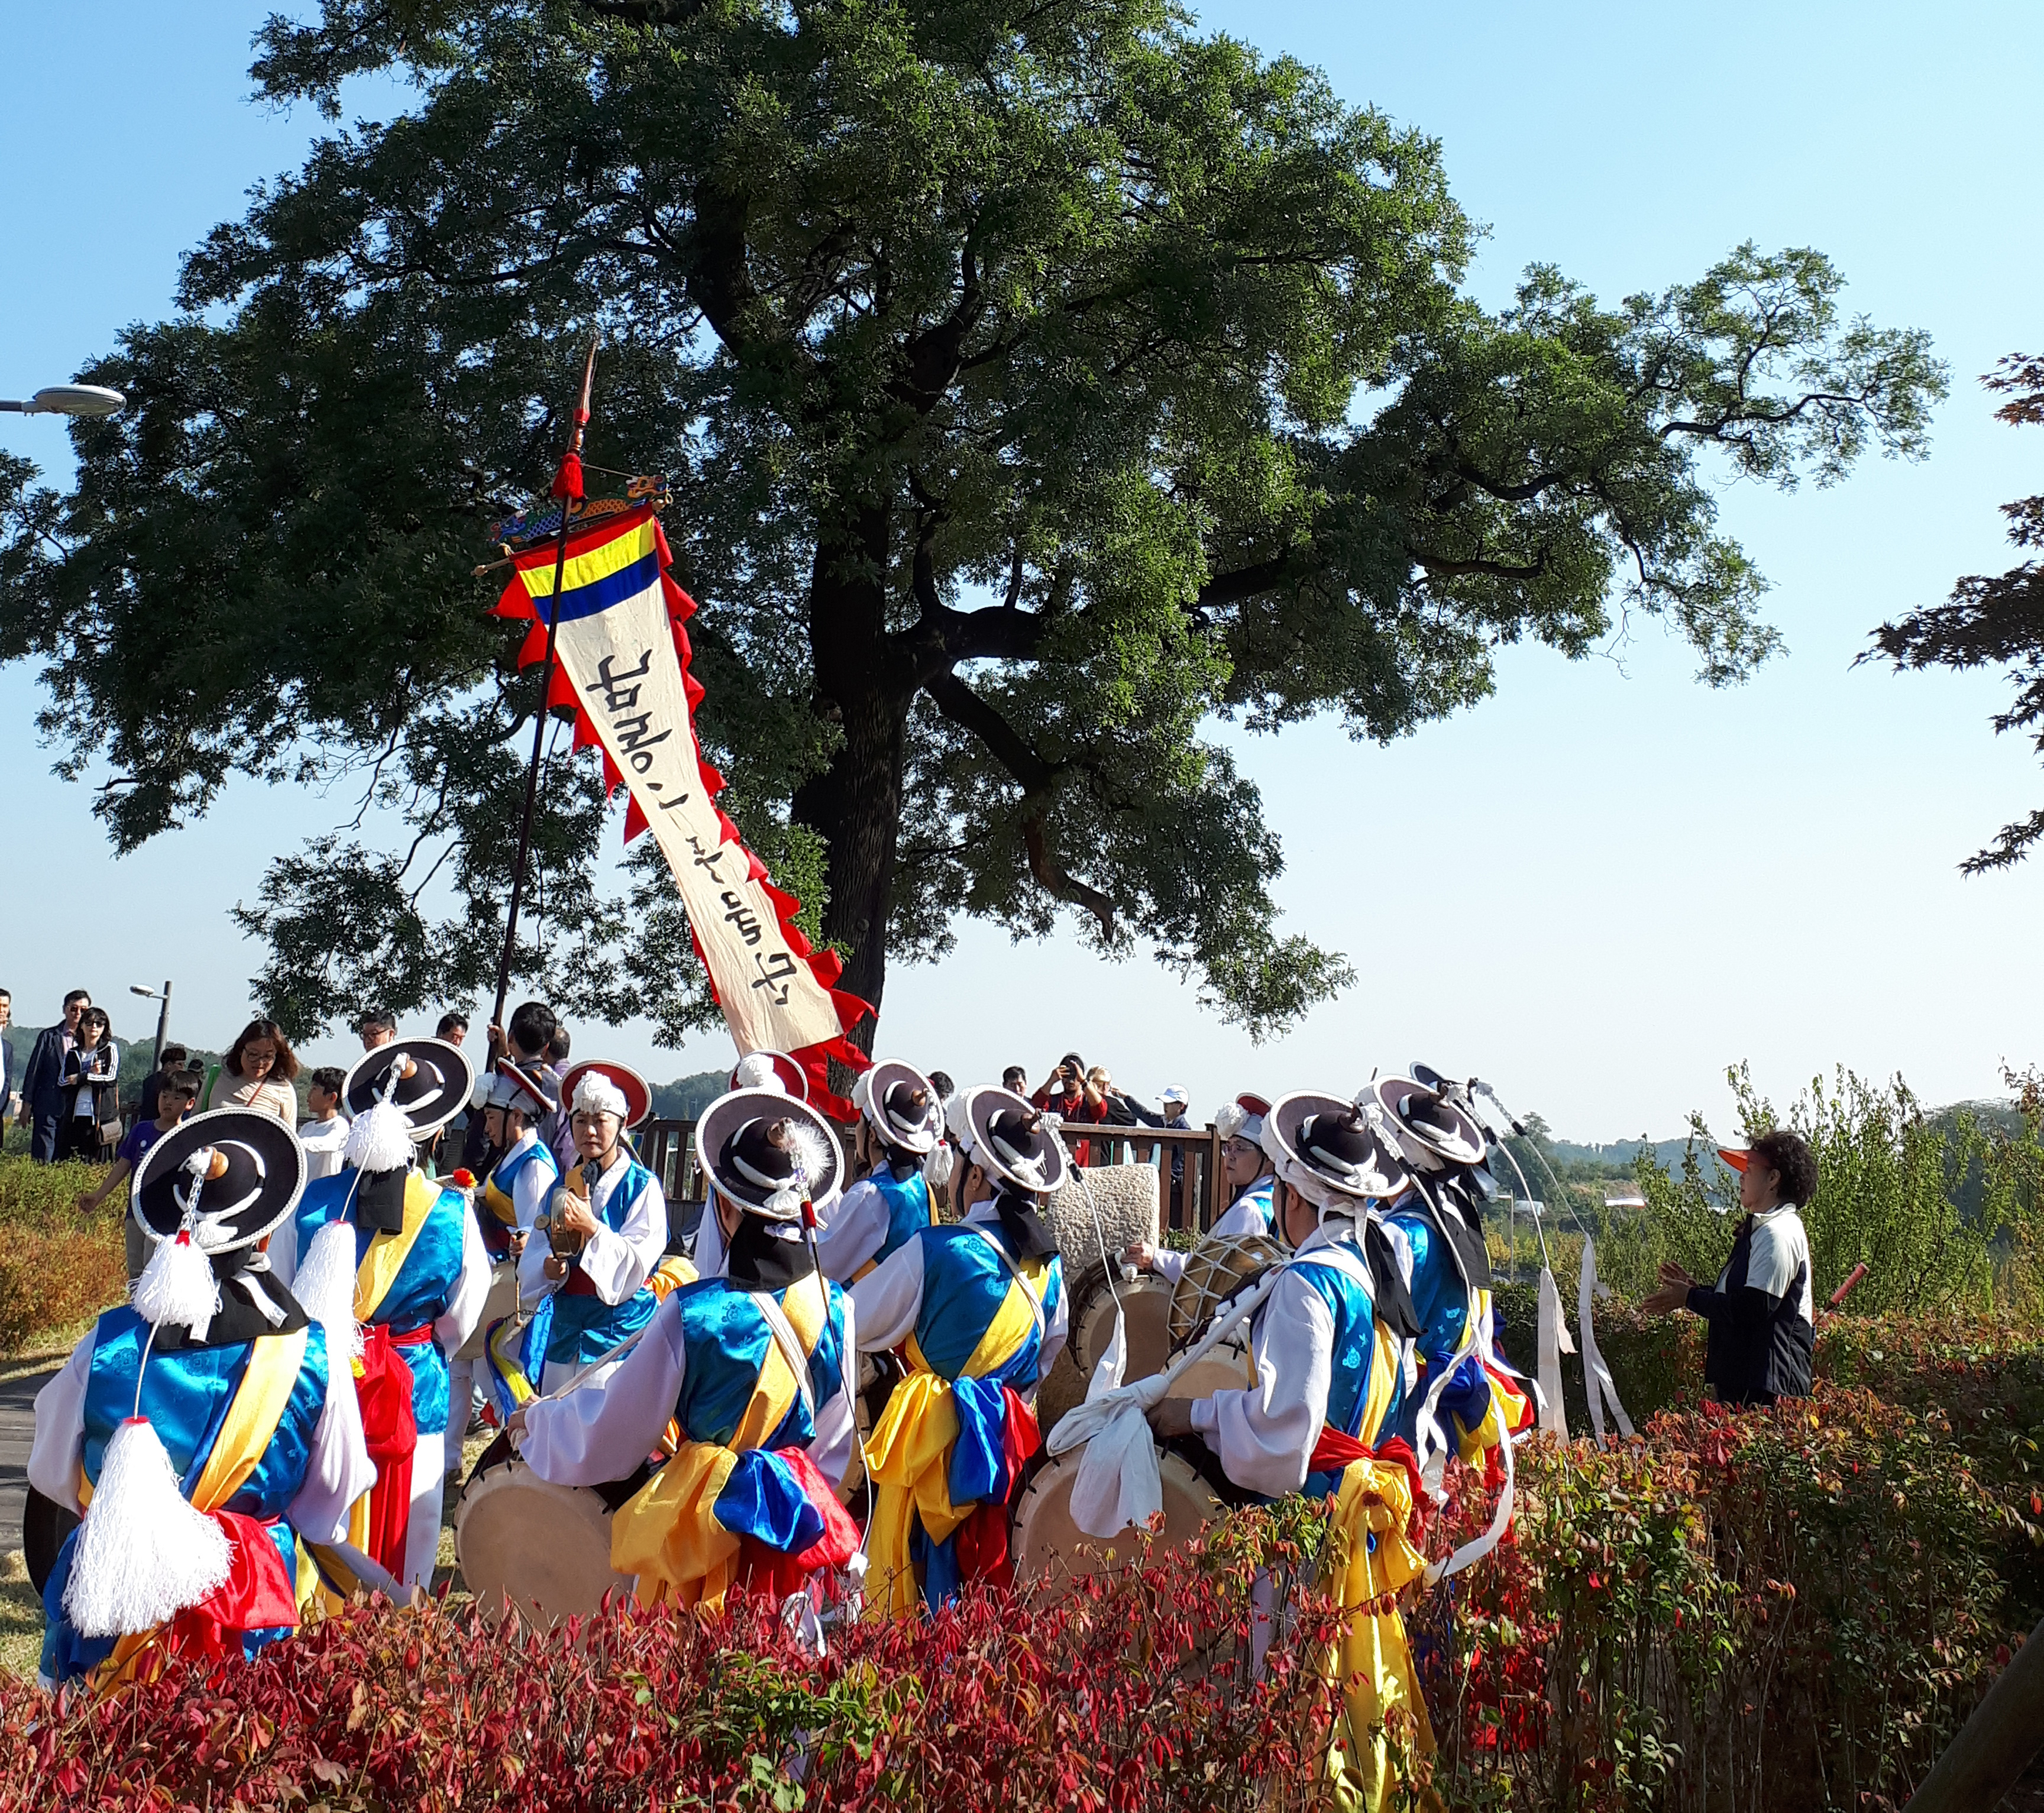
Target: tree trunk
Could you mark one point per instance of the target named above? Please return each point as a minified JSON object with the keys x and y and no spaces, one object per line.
{"x":855,"y":804}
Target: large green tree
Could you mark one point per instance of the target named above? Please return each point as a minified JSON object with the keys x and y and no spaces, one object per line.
{"x":1040,"y":380}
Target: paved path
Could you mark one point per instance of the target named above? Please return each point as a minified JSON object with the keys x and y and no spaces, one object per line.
{"x":18,"y":1434}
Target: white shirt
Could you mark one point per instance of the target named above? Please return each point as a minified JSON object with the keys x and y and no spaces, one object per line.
{"x":1241,"y":1218}
{"x":599,"y":1433}
{"x":1780,"y":1248}
{"x":616,"y":1260}
{"x":532,"y":1185}
{"x":1265,"y":1434}
{"x":890,"y":1297}
{"x":323,"y":1141}
{"x":338,"y":1471}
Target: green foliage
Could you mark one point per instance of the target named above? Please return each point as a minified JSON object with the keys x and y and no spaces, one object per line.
{"x":58,"y":1267}
{"x":1037,"y":382}
{"x":1887,"y":1177}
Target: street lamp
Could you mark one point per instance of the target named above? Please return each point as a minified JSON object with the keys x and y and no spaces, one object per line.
{"x":69,"y":400}
{"x":163,"y":1019}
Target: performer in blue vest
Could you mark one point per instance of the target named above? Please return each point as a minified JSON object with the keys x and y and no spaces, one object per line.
{"x":605,"y":1229}
{"x":901,"y":1123}
{"x":1465,"y":1402}
{"x":521,"y":1174}
{"x":403,"y":1255}
{"x":778,"y":1074}
{"x":1239,"y":1125}
{"x":978,"y":1307}
{"x":201,"y":1432}
{"x":751,"y":1367}
{"x":1330,"y":1374}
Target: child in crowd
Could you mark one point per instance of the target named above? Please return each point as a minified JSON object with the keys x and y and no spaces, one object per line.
{"x":323,"y":1132}
{"x":175,"y":1097}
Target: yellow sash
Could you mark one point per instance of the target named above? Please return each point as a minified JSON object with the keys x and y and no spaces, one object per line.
{"x":388,"y":1252}
{"x":667,"y":1535}
{"x":245,"y":1434}
{"x":908,"y":1458}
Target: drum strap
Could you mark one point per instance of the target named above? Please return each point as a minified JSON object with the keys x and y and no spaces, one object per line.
{"x":791,"y":1347}
{"x":1014,"y":1272}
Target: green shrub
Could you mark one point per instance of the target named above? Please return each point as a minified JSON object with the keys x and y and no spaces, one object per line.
{"x":58,"y":1267}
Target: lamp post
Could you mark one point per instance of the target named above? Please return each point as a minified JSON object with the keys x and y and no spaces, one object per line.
{"x":68,"y":400}
{"x":163,"y":1017}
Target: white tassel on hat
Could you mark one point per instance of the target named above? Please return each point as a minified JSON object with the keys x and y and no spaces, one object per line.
{"x":178,"y":1285}
{"x":324,"y":1287}
{"x":143,"y":1553}
{"x":380,"y":1139}
{"x":756,"y":1071}
{"x":595,"y":1093}
{"x":937,"y":1167}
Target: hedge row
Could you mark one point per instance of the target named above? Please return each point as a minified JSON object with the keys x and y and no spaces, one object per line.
{"x":57,"y":1267}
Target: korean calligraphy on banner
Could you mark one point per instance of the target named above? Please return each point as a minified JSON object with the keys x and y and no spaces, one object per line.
{"x":622,"y":661}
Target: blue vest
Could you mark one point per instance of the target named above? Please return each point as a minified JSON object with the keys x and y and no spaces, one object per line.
{"x":422,"y":1290}
{"x":1354,"y":1348}
{"x":496,"y":1203}
{"x":185,"y":1396}
{"x":964,"y":1284}
{"x":725,"y":1341}
{"x":907,"y":1202}
{"x":578,"y":1330}
{"x":1257,"y":1196}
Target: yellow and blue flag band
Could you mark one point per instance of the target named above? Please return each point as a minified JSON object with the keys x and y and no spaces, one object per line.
{"x":620,"y":566}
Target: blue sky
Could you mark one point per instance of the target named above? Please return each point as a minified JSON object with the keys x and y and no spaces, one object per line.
{"x":1559,"y":890}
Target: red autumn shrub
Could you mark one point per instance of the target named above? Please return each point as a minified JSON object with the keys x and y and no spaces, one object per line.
{"x":1126,"y":1694}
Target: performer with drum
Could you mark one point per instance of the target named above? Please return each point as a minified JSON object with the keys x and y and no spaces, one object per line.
{"x":380,"y":1244}
{"x":750,"y":1366}
{"x":1239,"y":1124}
{"x":1328,"y":1373}
{"x":522,"y":1173}
{"x":978,"y":1306}
{"x":201,"y":1432}
{"x":900,"y":1123}
{"x":604,"y":1233}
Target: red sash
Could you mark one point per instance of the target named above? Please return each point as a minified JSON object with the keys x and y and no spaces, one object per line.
{"x":1335,"y":1451}
{"x":981,"y":1542}
{"x":383,"y":1389}
{"x":258,"y":1594}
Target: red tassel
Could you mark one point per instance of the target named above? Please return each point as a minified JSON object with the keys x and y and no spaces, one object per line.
{"x":567,"y":481}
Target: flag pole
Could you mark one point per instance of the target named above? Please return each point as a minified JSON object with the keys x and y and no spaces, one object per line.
{"x":567,"y":487}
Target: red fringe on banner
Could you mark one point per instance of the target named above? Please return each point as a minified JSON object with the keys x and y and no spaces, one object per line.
{"x":516,"y":604}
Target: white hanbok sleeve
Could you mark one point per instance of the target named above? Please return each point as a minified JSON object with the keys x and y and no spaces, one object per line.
{"x":59,"y":1448}
{"x":283,"y":1251}
{"x":890,"y":1298}
{"x":339,"y":1469}
{"x":454,"y":1325}
{"x":617,"y":1260}
{"x":601,"y":1432}
{"x":1169,"y":1265}
{"x":1057,"y":1328}
{"x":836,"y":1422}
{"x":857,"y":1226}
{"x":533,"y":1282}
{"x":1265,"y":1434}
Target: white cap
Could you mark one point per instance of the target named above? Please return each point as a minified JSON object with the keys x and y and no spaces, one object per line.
{"x":595,"y":1093}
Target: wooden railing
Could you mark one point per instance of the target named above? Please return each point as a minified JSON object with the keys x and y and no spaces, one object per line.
{"x":1192,"y":1183}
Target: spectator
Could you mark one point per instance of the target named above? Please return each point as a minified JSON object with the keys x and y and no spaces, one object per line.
{"x":1761,"y":1310}
{"x":536,"y":1036}
{"x":177,"y":1094}
{"x":1015,"y":1080}
{"x":378,"y":1026}
{"x":1070,"y":1093}
{"x":258,"y":1072}
{"x":42,"y":1081}
{"x":940,"y":1080}
{"x":172,"y":1058}
{"x":453,"y":1027}
{"x":89,"y":1118}
{"x":1173,"y":1117}
{"x":323,"y":1132}
{"x":8,"y":1104}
